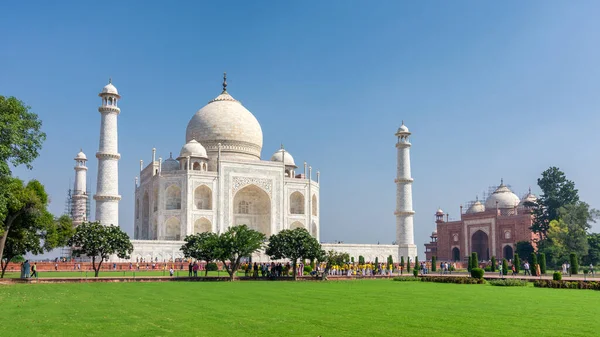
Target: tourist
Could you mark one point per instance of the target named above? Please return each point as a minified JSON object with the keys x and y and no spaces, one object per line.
{"x":564,"y":268}
{"x":255,"y":275}
{"x":171,"y":272}
{"x":26,"y":267}
{"x":514,"y":270}
{"x":569,"y":268}
{"x":195,"y":268}
{"x":34,"y":270}
{"x":538,"y":271}
{"x":500,"y":270}
{"x":190,"y":269}
{"x":592,"y":269}
{"x":526,"y":267}
{"x":56,"y":266}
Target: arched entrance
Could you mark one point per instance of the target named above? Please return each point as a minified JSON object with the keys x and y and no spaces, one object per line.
{"x":202,"y":225}
{"x":455,"y":254}
{"x":479,"y":242}
{"x":508,"y":252}
{"x":145,"y":217}
{"x":252,"y":207}
{"x":296,"y":224}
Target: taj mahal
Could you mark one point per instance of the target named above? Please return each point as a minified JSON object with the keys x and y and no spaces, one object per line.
{"x":219,"y":179}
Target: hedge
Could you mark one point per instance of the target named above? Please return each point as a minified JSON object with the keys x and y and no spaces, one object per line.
{"x":508,"y":283}
{"x":441,"y":279}
{"x":593,"y":285}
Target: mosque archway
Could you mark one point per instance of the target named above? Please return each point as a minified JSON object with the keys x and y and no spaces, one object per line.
{"x":203,"y":197}
{"x":314,"y":205}
{"x":479,"y":242}
{"x":173,"y":197}
{"x":507,"y":252}
{"x":252,"y":207}
{"x":296,"y":203}
{"x":155,"y":199}
{"x":455,"y":254}
{"x":313,"y":229}
{"x":172,"y":229}
{"x":296,"y":224}
{"x":202,"y":225}
{"x":145,"y":216}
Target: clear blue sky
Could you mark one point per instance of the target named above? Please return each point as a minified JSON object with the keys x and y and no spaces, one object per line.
{"x":489,"y":90}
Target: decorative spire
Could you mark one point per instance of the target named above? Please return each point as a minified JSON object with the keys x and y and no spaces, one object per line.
{"x":170,"y":155}
{"x":501,"y":181}
{"x":110,"y":80}
{"x":282,"y":146}
{"x":224,"y":83}
{"x":529,"y":189}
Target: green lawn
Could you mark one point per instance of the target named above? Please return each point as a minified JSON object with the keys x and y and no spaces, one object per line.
{"x":141,"y":273}
{"x":334,"y":308}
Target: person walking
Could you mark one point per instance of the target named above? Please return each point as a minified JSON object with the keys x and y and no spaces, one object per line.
{"x":592,"y":269}
{"x":195,"y":269}
{"x":526,"y":267}
{"x":190,"y":269}
{"x":34,"y":270}
{"x":500,"y":270}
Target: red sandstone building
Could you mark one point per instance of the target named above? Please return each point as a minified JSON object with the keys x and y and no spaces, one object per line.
{"x":489,"y":230}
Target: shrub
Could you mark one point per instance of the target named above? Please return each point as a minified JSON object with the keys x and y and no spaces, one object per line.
{"x":504,"y":267}
{"x":508,"y":283}
{"x":532,"y":264}
{"x":402,"y":263}
{"x":593,"y":285}
{"x":488,"y":268}
{"x":451,"y":279}
{"x":517,"y":263}
{"x":408,"y":264}
{"x":543,"y":263}
{"x":352,"y":259}
{"x":307,"y":269}
{"x":493,"y":267}
{"x":477,"y":273}
{"x":416,"y":272}
{"x":399,"y":278}
{"x":557,"y":276}
{"x":574,"y":264}
{"x":361,"y":259}
{"x":212,"y":266}
{"x":474,"y":261}
{"x":433,"y":264}
{"x":417,"y":263}
{"x":469,"y":264}
{"x":390,"y":261}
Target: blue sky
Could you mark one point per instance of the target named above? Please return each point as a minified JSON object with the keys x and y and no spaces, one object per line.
{"x":489,"y":90}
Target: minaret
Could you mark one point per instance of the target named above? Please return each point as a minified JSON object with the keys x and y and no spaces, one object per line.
{"x":404,"y":212}
{"x":107,"y":191}
{"x":79,"y":196}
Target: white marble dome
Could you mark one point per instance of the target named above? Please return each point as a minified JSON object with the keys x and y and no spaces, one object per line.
{"x":279,"y":157}
{"x":110,"y":89}
{"x":193,"y":149}
{"x":403,"y":128}
{"x":170,"y":165}
{"x":529,"y":197}
{"x":504,"y":197}
{"x":476,"y":207}
{"x":439,"y":212}
{"x":227,"y":122}
{"x":81,"y":156}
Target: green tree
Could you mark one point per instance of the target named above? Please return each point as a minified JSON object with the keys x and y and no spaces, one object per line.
{"x":542,"y":263}
{"x":504,"y":267}
{"x":361,"y":259}
{"x":236,"y":243}
{"x":294,"y":244}
{"x":99,"y":242}
{"x":517,"y":263}
{"x":557,"y":192}
{"x":201,"y":246}
{"x":26,"y":217}
{"x":401,"y":264}
{"x":417,"y":267}
{"x":493,"y":264}
{"x":408,"y":264}
{"x":524,"y":248}
{"x":574,"y":264}
{"x":390,"y":261}
{"x":333,"y":258}
{"x":593,"y":255}
{"x":21,"y":137}
{"x":474,"y":260}
{"x":433,"y":263}
{"x":469,"y":264}
{"x":533,"y":263}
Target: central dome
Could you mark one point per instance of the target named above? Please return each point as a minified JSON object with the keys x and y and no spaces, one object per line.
{"x":503,"y":197}
{"x":226,"y":121}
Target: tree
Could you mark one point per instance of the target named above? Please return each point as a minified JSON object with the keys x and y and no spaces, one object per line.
{"x":376,"y":263}
{"x":201,"y":246}
{"x":390,"y":261}
{"x":517,"y":263}
{"x":542,"y":263}
{"x":99,"y":242}
{"x":593,"y":255}
{"x":294,"y":244}
{"x":21,"y":137}
{"x":401,"y":264}
{"x":504,"y":267}
{"x":408,"y":264}
{"x":533,"y":263}
{"x":469,"y":264}
{"x":361,"y":259}
{"x":524,"y":248}
{"x":26,"y":210}
{"x":417,"y":267}
{"x":557,"y":192}
{"x":236,"y":243}
{"x":493,"y":268}
{"x":333,"y":258}
{"x":574,"y":264}
{"x":474,"y":260}
{"x":433,"y":263}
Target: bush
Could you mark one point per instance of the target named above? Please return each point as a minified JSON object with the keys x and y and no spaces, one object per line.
{"x":592,"y":285}
{"x":402,"y":263}
{"x":451,"y":279}
{"x":532,"y":264}
{"x":408,"y":264}
{"x":488,"y":269}
{"x":307,"y":269}
{"x":361,"y":259}
{"x":433,"y":263}
{"x":493,"y":268}
{"x":543,"y":263}
{"x":508,"y":283}
{"x":390,"y":260}
{"x":504,"y":267}
{"x":416,"y":272}
{"x":474,"y":261}
{"x":469,"y":264}
{"x":477,"y":273}
{"x":212,"y":266}
{"x":517,"y":263}
{"x":574,"y":264}
{"x":557,"y":276}
{"x":413,"y":279}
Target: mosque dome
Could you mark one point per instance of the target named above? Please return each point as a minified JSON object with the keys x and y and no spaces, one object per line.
{"x":503,"y":197}
{"x":226,"y":121}
{"x":170,"y":165}
{"x":476,"y":207}
{"x":439,"y":212}
{"x":529,"y":197}
{"x":193,"y":149}
{"x":402,"y":128}
{"x":110,"y":89}
{"x":81,"y":156}
{"x":279,"y":157}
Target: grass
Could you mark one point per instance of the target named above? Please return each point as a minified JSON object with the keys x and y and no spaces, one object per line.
{"x":247,"y":308}
{"x":125,"y":273}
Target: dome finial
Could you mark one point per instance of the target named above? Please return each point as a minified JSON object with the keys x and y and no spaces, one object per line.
{"x":170,"y":155}
{"x":282,"y":146}
{"x":529,"y":189}
{"x":110,"y":80}
{"x":224,"y":82}
{"x":501,"y":181}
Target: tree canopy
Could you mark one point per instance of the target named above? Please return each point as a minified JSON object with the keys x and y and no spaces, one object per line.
{"x":236,"y":243}
{"x":293,"y":244}
{"x":202,"y":246}
{"x":99,"y":242}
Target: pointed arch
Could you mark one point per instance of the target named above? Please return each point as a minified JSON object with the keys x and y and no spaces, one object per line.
{"x":155,"y":199}
{"x":296,"y":224}
{"x":202,"y":225}
{"x":252,"y":207}
{"x":196,"y":166}
{"x":137,"y":208}
{"x":314,"y":205}
{"x":173,"y":194}
{"x":145,"y":216}
{"x":296,"y":203}
{"x":314,"y":231}
{"x":172,"y":229}
{"x":203,"y":197}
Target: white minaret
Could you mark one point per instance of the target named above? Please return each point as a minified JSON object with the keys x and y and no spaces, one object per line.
{"x":404,"y":211}
{"x":79,"y":206}
{"x":107,"y":191}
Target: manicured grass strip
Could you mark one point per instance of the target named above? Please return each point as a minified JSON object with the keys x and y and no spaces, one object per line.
{"x":344,"y":308}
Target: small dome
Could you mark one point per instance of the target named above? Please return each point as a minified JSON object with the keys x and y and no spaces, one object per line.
{"x":476,"y":207}
{"x":193,"y":149}
{"x":170,"y":165}
{"x":503,"y":197}
{"x":403,"y":128}
{"x":110,"y":89}
{"x":439,"y":212}
{"x":279,"y":157}
{"x":529,"y":197}
{"x":81,"y":156}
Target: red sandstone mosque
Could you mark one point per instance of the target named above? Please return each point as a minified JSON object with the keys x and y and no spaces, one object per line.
{"x":490,"y":229}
